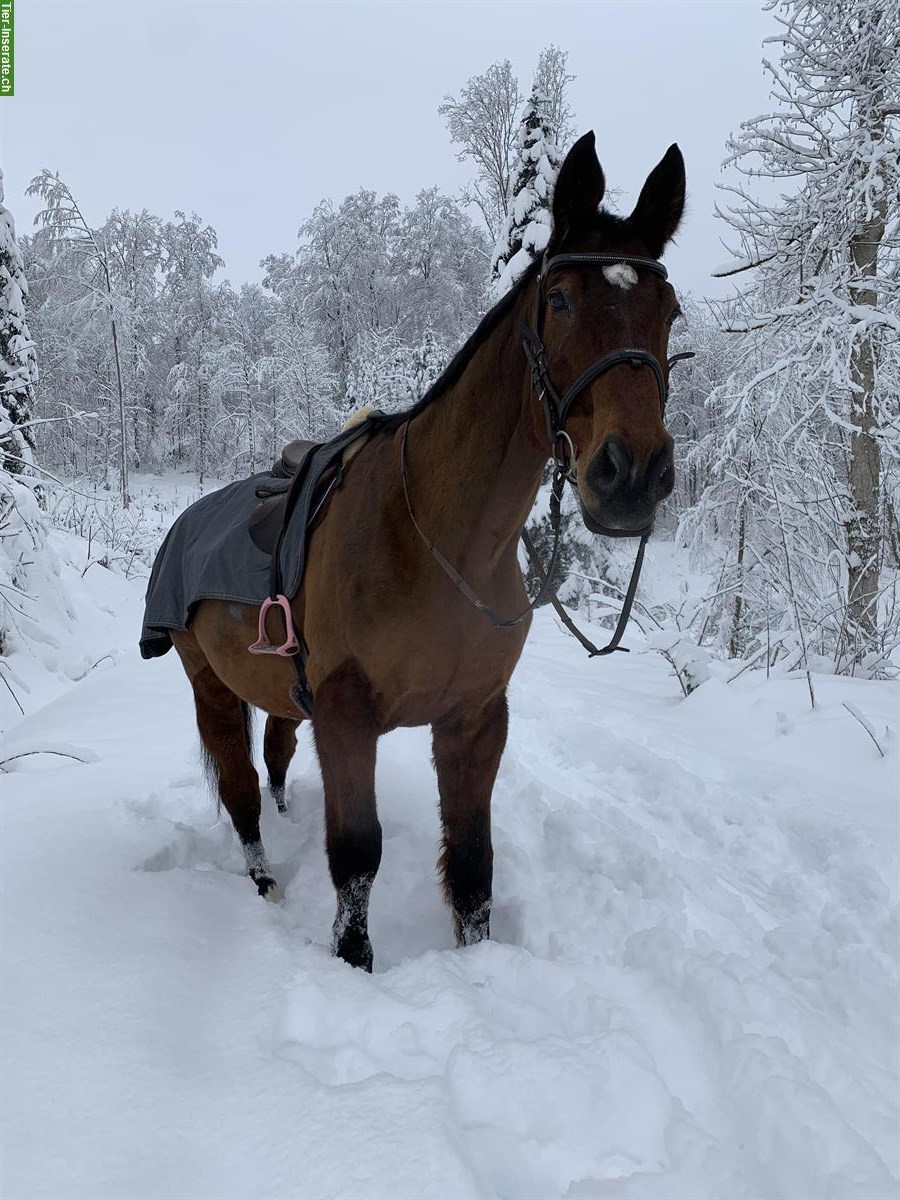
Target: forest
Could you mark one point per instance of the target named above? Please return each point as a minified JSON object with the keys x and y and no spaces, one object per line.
{"x":135,"y":353}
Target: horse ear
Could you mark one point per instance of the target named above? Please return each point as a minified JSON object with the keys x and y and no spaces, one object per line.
{"x":579,"y":188}
{"x":661,"y":202}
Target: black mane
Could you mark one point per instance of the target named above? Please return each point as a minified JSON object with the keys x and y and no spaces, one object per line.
{"x":608,"y":229}
{"x":465,"y":353}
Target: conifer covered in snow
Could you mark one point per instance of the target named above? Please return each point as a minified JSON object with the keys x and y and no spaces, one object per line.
{"x":529,"y":220}
{"x":18,"y":367}
{"x":29,"y":571}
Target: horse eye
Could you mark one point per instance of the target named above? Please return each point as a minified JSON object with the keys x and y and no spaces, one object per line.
{"x":673,"y":316}
{"x":557,"y":300}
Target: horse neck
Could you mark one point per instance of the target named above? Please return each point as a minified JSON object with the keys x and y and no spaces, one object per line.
{"x":474,"y":463}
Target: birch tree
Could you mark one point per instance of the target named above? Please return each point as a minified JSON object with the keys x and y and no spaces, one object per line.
{"x":551,"y":80}
{"x":483,"y":121}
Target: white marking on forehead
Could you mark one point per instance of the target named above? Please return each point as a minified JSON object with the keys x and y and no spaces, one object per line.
{"x":621,"y":275}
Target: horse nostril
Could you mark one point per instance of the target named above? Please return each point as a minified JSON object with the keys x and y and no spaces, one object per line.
{"x":611,"y":466}
{"x":662,"y":472}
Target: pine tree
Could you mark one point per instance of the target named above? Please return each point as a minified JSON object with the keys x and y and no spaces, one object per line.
{"x":529,"y":219}
{"x":18,"y":366}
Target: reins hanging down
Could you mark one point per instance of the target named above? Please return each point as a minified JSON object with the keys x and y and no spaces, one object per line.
{"x":556,"y":410}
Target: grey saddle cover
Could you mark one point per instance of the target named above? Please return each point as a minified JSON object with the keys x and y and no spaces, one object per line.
{"x":221,"y":547}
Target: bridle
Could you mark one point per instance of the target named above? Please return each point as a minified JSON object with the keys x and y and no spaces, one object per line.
{"x":556,"y":408}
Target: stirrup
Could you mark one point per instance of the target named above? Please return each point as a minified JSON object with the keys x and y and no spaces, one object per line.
{"x":262,"y":645}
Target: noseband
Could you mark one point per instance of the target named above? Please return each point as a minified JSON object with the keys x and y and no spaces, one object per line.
{"x":557,"y":407}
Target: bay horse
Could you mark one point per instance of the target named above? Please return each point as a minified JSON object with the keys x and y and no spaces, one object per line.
{"x":393,"y":639}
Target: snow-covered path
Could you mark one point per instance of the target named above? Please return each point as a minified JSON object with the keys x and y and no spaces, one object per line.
{"x":692,"y":991}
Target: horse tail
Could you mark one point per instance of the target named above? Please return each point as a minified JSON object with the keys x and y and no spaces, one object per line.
{"x":210,"y":767}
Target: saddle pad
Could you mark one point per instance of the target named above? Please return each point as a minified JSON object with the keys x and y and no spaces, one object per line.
{"x":209,"y":553}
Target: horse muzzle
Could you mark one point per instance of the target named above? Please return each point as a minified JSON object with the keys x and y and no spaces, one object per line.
{"x":619,"y":496}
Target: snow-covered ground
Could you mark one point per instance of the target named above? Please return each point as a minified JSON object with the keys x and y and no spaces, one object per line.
{"x":691,"y":991}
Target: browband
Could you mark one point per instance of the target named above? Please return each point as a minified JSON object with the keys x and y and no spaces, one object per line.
{"x":604,"y":260}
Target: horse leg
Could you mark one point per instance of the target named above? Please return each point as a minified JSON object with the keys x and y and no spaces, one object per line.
{"x":279,"y":745}
{"x":346,"y":733}
{"x":223,"y":721}
{"x":467,"y":751}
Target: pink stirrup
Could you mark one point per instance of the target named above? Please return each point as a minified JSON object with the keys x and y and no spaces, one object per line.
{"x":262,"y":645}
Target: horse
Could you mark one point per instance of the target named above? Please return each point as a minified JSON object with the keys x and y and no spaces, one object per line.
{"x":417,"y":552}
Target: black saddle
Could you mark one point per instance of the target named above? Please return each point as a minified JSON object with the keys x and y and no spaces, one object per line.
{"x":268,"y":516}
{"x":292,"y":457}
{"x":299,"y":484}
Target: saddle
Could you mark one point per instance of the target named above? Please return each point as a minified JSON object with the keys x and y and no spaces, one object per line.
{"x":292,"y":496}
{"x":272,"y":490}
{"x":268,"y":516}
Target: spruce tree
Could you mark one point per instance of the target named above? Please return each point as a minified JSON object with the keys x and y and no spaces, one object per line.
{"x":18,"y":368}
{"x":529,"y":219}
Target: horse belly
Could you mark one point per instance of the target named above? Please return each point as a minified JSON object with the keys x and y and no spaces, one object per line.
{"x":223,"y":631}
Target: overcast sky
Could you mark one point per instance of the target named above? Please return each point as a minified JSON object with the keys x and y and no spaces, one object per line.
{"x":251,"y":113}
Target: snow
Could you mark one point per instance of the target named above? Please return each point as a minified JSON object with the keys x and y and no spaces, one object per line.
{"x":691,"y":991}
{"x":76,"y":614}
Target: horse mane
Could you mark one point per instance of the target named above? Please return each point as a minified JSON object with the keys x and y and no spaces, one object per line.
{"x":461,"y":359}
{"x":607,"y":226}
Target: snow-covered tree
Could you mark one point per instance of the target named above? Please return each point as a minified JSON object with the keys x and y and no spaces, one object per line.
{"x":484,"y":122}
{"x":810,"y":430}
{"x":29,"y":572}
{"x":189,"y":263}
{"x":18,"y":367}
{"x":552,"y":81}
{"x":529,"y":217}
{"x":391,"y":374}
{"x":425,"y":362}
{"x":70,"y":234}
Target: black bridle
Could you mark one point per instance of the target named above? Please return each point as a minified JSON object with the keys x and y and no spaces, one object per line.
{"x":556,"y":408}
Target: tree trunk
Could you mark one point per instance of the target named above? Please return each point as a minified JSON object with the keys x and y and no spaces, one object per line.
{"x":123,"y":431}
{"x":863,"y":527}
{"x":736,"y":645}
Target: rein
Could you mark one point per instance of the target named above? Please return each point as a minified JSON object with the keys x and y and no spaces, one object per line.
{"x":454,"y":576}
{"x":556,"y":410}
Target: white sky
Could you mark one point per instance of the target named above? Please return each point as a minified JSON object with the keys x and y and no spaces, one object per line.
{"x":250,"y":113}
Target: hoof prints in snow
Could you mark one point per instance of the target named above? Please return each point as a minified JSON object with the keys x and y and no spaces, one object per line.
{"x":691,"y":994}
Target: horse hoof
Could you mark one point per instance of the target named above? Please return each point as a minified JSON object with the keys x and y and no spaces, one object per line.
{"x":355,"y":950}
{"x":268,"y":888}
{"x":279,"y":797}
{"x":473,"y":928}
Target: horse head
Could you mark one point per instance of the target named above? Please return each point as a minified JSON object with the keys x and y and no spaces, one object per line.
{"x":598,"y":345}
